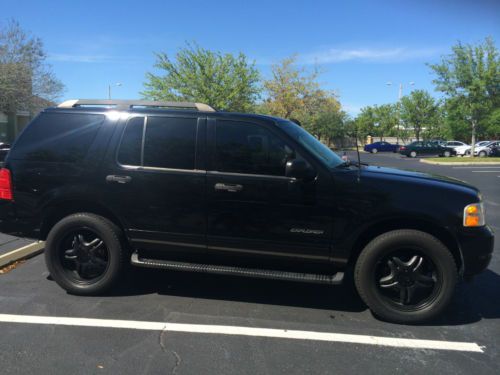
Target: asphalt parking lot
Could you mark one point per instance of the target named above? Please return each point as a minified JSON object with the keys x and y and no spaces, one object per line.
{"x":184,"y":301}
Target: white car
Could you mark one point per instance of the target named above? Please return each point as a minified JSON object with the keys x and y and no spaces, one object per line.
{"x":458,"y":146}
{"x":466,"y":150}
{"x":485,"y":149}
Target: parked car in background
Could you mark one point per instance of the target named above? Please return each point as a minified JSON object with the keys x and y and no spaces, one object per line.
{"x":460,"y":147}
{"x":4,"y":150}
{"x":478,"y":144}
{"x":421,"y":148}
{"x":381,"y":147}
{"x":485,"y":149}
{"x":495,"y":151}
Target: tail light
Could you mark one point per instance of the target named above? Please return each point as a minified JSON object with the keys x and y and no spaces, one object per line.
{"x":402,"y":148}
{"x":6,"y":185}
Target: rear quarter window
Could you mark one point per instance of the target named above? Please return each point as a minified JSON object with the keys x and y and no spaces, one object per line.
{"x":57,"y":137}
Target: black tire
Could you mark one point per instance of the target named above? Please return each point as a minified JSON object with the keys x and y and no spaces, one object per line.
{"x":60,"y":247}
{"x":435,"y":257}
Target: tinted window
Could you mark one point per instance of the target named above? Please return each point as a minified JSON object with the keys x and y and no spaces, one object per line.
{"x":313,"y":145}
{"x":170,"y":142}
{"x":131,"y":144}
{"x":58,"y":137}
{"x":243,"y":147}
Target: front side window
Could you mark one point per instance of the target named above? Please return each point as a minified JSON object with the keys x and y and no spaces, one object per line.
{"x":312,"y":144}
{"x":243,"y":147}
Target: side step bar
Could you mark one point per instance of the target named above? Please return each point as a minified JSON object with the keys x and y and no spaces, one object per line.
{"x":237,"y":271}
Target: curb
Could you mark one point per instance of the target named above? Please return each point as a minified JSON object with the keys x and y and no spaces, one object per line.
{"x":22,"y":253}
{"x":487,"y":163}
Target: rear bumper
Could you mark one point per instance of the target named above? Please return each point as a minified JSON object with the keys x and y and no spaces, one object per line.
{"x":11,"y":224}
{"x":476,"y":245}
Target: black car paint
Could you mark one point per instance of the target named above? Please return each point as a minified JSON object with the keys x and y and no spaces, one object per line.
{"x":275,"y":221}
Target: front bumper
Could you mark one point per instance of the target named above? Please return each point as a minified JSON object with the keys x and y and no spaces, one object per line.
{"x":476,"y":245}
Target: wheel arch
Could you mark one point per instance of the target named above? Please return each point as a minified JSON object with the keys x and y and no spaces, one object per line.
{"x":376,"y":229}
{"x":55,"y":212}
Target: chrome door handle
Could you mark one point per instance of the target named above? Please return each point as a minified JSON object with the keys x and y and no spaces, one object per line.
{"x":232,"y":188}
{"x":118,"y":179}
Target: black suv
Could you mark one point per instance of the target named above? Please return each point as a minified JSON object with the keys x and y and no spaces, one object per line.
{"x":182,"y":187}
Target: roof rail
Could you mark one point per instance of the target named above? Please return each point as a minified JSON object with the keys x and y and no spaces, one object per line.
{"x":129,"y":104}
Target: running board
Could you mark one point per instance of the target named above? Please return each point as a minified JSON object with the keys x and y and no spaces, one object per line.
{"x":237,"y":271}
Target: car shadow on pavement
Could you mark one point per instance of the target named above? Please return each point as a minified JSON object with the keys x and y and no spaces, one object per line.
{"x":241,"y":289}
{"x":473,"y":301}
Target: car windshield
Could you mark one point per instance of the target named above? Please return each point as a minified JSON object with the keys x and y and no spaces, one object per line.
{"x":313,"y":145}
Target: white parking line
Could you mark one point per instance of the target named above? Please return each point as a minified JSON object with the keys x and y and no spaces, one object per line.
{"x":477,"y":167}
{"x":246,"y":331}
{"x":484,"y":171}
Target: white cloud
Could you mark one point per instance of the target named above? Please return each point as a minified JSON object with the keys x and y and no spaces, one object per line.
{"x":388,"y":55}
{"x":66,"y":57}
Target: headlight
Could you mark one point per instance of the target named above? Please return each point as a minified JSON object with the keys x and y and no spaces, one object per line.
{"x":474,"y":215}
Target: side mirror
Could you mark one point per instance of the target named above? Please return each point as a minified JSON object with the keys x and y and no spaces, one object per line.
{"x":300,"y":170}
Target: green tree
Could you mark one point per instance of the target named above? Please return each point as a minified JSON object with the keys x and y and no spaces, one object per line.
{"x":470,"y":77}
{"x":223,"y":81}
{"x":378,"y":121}
{"x":293,"y":92}
{"x":419,"y":111}
{"x":26,"y":80}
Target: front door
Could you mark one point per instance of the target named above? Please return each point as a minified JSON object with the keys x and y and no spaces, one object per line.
{"x":257,"y":215}
{"x":157,"y":188}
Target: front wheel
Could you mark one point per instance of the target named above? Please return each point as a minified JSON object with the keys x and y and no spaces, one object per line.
{"x":447,"y":154}
{"x":406,"y":276}
{"x":482,"y":154}
{"x":84,"y":254}
{"x":413,"y":154}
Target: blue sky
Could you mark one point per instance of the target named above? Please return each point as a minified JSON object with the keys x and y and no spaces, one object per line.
{"x":360,"y":45}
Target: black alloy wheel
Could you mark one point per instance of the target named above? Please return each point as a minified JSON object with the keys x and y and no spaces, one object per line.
{"x":406,"y":276}
{"x":407,"y":279}
{"x":85,"y":254}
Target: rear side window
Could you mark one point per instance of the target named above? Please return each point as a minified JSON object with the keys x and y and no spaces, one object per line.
{"x":58,"y":137}
{"x":170,"y":142}
{"x":130,"y":148}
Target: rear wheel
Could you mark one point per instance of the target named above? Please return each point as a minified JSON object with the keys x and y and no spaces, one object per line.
{"x":84,"y":254}
{"x":447,"y":154}
{"x":406,"y":276}
{"x":374,"y":150}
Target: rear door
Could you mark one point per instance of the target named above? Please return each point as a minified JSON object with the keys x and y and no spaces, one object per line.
{"x":156,"y":183}
{"x":256,"y":214}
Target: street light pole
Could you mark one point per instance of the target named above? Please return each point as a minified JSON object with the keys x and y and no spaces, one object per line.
{"x":109,"y":88}
{"x":400,"y":96}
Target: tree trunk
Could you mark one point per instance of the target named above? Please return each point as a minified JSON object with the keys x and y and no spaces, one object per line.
{"x":473,"y":138}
